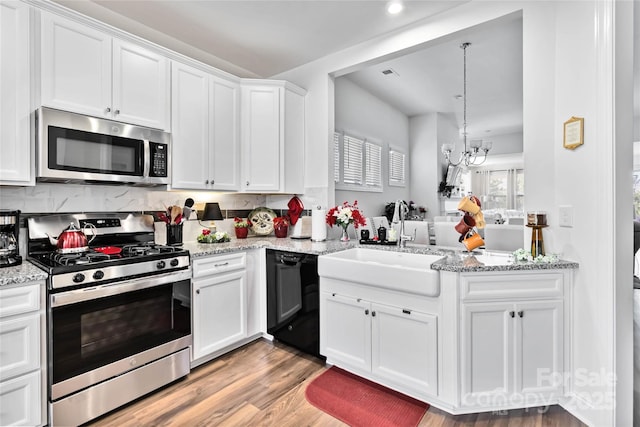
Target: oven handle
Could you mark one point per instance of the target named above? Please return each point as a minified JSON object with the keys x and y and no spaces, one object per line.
{"x":109,"y":289}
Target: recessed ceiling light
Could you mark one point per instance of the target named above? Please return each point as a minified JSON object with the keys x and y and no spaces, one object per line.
{"x":394,"y":7}
{"x":457,"y":96}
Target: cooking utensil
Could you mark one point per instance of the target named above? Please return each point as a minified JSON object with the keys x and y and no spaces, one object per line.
{"x":186,"y":211}
{"x":163,"y":217}
{"x":175,"y":211}
{"x":73,"y":239}
{"x":108,"y":250}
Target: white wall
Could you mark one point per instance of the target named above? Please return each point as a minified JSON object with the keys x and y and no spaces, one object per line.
{"x":566,"y":74}
{"x":361,"y":114}
{"x":427,"y":133}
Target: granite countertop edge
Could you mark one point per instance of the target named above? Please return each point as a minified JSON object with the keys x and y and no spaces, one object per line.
{"x":21,"y":274}
{"x":27,"y":272}
{"x":198,"y":250}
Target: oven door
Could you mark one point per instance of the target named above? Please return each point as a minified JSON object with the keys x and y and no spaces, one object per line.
{"x":100,"y":332}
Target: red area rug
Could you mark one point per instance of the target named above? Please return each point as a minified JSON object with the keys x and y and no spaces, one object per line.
{"x":362,"y":403}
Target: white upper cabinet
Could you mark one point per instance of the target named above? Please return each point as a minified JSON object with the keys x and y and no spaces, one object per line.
{"x":140,"y":86}
{"x":205,"y":111}
{"x":87,"y":71}
{"x":272,"y":137}
{"x":16,"y":161}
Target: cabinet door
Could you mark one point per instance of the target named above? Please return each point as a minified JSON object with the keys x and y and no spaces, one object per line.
{"x":345,"y":330}
{"x":261,"y":126}
{"x":140,"y":86}
{"x":20,"y":344}
{"x":219,"y":312}
{"x":20,"y":401}
{"x":539,"y":348}
{"x":224,"y":131}
{"x":15,"y":109}
{"x":486,"y":352}
{"x":76,"y":67}
{"x":405,"y":348}
{"x":190,"y":128}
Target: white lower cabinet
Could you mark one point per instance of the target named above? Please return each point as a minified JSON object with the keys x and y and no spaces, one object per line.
{"x":511,"y":351}
{"x":22,"y":373}
{"x":219,"y":304}
{"x":397,"y":346}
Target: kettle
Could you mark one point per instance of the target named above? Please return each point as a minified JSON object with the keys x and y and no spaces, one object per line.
{"x":73,"y":239}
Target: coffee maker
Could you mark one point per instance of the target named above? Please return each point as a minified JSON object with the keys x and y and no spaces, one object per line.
{"x":9,"y":235}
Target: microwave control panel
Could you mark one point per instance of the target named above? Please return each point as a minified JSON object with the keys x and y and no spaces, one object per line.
{"x":159,"y":154}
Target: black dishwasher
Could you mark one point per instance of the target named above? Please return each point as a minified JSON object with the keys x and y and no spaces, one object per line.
{"x":293,"y":300}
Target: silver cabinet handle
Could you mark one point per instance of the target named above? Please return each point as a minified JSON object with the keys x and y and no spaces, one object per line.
{"x":206,"y":182}
{"x":198,"y":291}
{"x":221,"y":264}
{"x":512,"y":314}
{"x":107,"y":110}
{"x":247,"y":183}
{"x":366,"y":312}
{"x":373,"y":314}
{"x":117,"y":112}
{"x":405,"y":311}
{"x":520,"y":314}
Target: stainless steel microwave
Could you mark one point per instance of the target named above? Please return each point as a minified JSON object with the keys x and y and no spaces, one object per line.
{"x":77,"y":148}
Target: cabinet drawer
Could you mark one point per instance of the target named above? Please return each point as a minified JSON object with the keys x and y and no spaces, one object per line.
{"x":19,"y":345}
{"x":20,"y":401}
{"x":508,"y":286}
{"x":22,"y":299}
{"x":219,"y":264}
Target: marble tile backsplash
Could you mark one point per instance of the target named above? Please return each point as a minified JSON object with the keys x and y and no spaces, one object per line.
{"x":74,"y":198}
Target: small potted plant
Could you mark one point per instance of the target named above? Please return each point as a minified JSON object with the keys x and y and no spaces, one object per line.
{"x":241,"y":227}
{"x":281,"y":226}
{"x":208,"y":237}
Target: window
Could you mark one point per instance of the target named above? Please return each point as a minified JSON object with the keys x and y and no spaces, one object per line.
{"x":501,"y":189}
{"x":396,"y":168}
{"x":357,"y":163}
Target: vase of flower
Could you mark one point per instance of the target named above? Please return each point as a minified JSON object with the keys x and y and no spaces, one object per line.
{"x":345,"y":233}
{"x":344,"y":215}
{"x":241,"y":227}
{"x":280,"y":226}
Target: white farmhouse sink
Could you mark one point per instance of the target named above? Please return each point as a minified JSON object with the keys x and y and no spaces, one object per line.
{"x":404,"y":272}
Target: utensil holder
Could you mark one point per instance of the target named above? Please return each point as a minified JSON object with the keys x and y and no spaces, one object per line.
{"x":174,"y":234}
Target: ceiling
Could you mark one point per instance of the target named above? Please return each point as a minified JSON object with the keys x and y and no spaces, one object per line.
{"x":261,"y":38}
{"x":428,"y":80}
{"x":257,"y":38}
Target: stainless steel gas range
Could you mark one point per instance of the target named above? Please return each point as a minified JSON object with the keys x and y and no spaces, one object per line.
{"x":118,"y":311}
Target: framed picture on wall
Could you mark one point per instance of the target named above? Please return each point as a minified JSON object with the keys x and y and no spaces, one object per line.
{"x":573,"y":133}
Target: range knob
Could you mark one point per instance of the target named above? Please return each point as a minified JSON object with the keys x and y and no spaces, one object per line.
{"x":79,"y":277}
{"x":160,"y":265}
{"x":174,"y":262}
{"x":98,"y":275}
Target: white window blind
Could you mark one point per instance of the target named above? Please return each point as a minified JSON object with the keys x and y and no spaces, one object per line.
{"x":352,"y":160}
{"x":336,"y":157}
{"x":396,"y":168}
{"x":373,"y":165}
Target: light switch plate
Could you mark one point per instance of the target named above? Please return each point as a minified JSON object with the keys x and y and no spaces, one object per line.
{"x":566,"y":216}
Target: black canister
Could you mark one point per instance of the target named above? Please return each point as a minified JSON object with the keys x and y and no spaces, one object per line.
{"x":364,"y":234}
{"x":382,"y":234}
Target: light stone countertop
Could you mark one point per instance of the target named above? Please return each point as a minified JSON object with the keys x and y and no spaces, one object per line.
{"x":453,"y":260}
{"x":23,"y":273}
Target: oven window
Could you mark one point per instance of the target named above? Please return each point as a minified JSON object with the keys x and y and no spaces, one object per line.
{"x":91,"y":334}
{"x":91,"y":152}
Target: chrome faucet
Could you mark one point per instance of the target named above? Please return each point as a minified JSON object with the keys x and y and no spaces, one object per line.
{"x":403,"y":238}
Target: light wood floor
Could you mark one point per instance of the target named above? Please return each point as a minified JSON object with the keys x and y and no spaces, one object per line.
{"x":263,"y":384}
